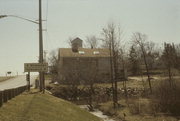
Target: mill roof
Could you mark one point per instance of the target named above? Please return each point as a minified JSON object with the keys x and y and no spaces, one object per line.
{"x":84,"y":52}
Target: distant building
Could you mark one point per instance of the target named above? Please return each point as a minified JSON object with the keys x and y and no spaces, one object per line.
{"x":83,"y":63}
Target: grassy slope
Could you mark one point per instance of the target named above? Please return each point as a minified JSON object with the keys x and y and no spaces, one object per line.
{"x":42,"y":107}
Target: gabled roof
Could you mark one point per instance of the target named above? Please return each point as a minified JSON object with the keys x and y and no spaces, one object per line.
{"x":76,"y":40}
{"x":84,"y":52}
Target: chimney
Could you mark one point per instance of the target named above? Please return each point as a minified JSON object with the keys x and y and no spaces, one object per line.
{"x":76,"y":43}
{"x":74,"y":47}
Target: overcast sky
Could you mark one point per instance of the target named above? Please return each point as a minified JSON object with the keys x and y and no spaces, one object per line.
{"x":159,"y":19}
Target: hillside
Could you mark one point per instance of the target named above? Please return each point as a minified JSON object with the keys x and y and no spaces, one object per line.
{"x":35,"y":106}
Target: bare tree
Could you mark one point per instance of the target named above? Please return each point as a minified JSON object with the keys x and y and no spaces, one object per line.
{"x":134,"y":59}
{"x":90,"y":77}
{"x":92,"y":41}
{"x":170,"y":59}
{"x":53,"y":62}
{"x":177,"y":47}
{"x":152,"y":54}
{"x":71,"y":76}
{"x":141,"y":40}
{"x":111,"y":39}
{"x":124,"y":75}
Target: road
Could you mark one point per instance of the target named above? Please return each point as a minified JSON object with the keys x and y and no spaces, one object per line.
{"x":16,"y":82}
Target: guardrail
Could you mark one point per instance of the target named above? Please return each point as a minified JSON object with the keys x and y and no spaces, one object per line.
{"x":8,"y":94}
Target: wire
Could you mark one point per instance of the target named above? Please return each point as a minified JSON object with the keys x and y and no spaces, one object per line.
{"x":49,"y":43}
{"x":46,"y":25}
{"x":47,"y":9}
{"x":48,"y":38}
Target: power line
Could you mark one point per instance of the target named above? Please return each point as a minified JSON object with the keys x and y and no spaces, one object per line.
{"x":49,"y":43}
{"x":47,"y":9}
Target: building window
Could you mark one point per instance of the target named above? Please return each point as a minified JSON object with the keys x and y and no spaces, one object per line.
{"x":96,"y":52}
{"x":81,"y":52}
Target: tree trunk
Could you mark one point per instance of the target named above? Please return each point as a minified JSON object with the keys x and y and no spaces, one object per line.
{"x":147,"y":69}
{"x":112,"y":75}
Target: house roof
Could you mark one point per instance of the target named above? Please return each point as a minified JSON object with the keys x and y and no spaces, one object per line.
{"x":84,"y":52}
{"x":77,"y":39}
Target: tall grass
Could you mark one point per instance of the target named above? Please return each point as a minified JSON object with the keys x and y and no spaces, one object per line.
{"x":167,"y":97}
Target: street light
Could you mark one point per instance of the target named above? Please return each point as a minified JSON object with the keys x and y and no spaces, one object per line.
{"x":3,"y":16}
{"x":41,"y":74}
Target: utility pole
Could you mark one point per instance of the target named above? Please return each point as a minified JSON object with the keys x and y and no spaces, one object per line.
{"x":45,"y":53}
{"x":41,"y":74}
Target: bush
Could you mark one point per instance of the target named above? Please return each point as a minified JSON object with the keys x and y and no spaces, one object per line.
{"x":108,"y":109}
{"x":167,"y":97}
{"x":140,"y":106}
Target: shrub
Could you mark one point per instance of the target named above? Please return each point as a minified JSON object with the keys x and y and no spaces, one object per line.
{"x":167,"y":97}
{"x":140,"y":106}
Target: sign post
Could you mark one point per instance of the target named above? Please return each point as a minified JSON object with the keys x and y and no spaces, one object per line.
{"x":34,"y":67}
{"x":28,"y":80}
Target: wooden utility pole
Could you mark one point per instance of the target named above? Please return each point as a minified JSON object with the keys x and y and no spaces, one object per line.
{"x":41,"y":74}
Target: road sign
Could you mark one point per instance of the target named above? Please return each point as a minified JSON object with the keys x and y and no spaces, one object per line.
{"x":35,"y":67}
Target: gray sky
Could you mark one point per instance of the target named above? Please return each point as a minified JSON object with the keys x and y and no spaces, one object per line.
{"x":159,"y":19}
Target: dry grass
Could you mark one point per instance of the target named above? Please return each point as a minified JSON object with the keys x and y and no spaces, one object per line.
{"x":138,"y":81}
{"x":137,"y":109}
{"x":126,"y":112}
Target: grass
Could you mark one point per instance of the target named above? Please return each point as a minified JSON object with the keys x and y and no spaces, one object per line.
{"x":136,"y":81}
{"x":138,"y":109}
{"x":42,"y":107}
{"x":4,"y":78}
{"x":133,"y":82}
{"x":107,"y":108}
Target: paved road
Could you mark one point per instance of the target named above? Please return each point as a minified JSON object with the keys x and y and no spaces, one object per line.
{"x":16,"y":82}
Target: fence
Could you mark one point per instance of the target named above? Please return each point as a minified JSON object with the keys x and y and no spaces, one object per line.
{"x":8,"y":94}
